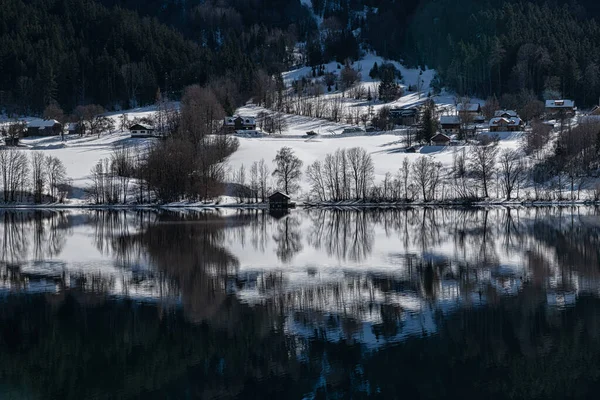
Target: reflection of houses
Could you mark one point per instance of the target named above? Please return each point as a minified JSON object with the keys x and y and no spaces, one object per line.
{"x":280,"y":200}
{"x":506,"y":124}
{"x":46,"y":127}
{"x":239,"y":123}
{"x":141,"y":130}
{"x":404,"y":116}
{"x":450,"y":124}
{"x":440,"y":140}
{"x":564,"y":107}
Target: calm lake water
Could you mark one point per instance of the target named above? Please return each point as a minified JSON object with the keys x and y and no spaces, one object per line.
{"x":396,"y":304}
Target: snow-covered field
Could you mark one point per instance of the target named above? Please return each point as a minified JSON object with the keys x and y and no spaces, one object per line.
{"x":81,"y":154}
{"x":387,"y":149}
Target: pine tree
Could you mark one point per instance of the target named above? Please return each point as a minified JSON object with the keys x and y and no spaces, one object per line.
{"x":429,"y":123}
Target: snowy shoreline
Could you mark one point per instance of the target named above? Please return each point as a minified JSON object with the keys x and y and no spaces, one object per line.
{"x":308,"y":205}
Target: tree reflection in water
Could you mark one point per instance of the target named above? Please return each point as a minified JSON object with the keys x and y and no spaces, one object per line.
{"x":487,"y":302}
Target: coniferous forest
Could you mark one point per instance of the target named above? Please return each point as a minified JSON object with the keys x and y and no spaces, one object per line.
{"x":118,"y":53}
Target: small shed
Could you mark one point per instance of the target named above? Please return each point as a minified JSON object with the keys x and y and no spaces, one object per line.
{"x":141,"y":130}
{"x":440,"y":140}
{"x":280,"y":200}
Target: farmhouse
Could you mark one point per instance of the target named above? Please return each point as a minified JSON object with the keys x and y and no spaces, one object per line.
{"x":141,"y":130}
{"x":46,"y":127}
{"x":450,"y":124}
{"x":505,"y":114}
{"x":280,"y":200}
{"x":440,"y":140}
{"x":470,"y":109}
{"x":506,"y":124}
{"x":404,"y":116}
{"x":239,"y":123}
{"x":565,"y":107}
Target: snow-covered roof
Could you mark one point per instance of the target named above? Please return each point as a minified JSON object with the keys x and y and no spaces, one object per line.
{"x":449,"y":120}
{"x":142,"y":126}
{"x":440,"y":137}
{"x":509,"y":113}
{"x":560,"y":104}
{"x":514,"y":121}
{"x":42,"y":123}
{"x":245,"y":120}
{"x":470,"y":107}
{"x":281,"y":194}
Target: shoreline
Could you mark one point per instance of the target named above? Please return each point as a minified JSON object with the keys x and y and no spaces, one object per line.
{"x":265,"y":206}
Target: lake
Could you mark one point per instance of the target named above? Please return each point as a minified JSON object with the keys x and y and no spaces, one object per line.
{"x":311,"y":304}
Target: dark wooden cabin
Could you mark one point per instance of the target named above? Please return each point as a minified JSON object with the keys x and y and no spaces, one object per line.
{"x":280,"y":200}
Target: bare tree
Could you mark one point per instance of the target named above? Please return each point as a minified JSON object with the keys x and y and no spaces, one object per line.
{"x":288,"y":170}
{"x":316,"y":179}
{"x":490,"y":107}
{"x":53,"y":111}
{"x":512,"y":171}
{"x":361,"y":171}
{"x":38,"y":175}
{"x":263,"y":177}
{"x":122,"y":166}
{"x":537,"y":138}
{"x":426,"y":176}
{"x":14,"y":169}
{"x":201,"y":113}
{"x":482,"y":161}
{"x":56,"y":174}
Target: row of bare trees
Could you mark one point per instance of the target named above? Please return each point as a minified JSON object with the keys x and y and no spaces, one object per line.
{"x":349,"y":175}
{"x":31,"y":178}
{"x":343,"y":175}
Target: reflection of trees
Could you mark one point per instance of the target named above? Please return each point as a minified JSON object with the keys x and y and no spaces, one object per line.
{"x":345,"y":234}
{"x":187,"y":250}
{"x":31,"y":234}
{"x":288,"y":238}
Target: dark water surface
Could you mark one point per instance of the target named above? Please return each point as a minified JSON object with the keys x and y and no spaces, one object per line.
{"x":401,"y":304}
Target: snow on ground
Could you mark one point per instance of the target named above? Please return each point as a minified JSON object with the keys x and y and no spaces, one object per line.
{"x":446,"y":102}
{"x":80,"y":154}
{"x":387,"y":149}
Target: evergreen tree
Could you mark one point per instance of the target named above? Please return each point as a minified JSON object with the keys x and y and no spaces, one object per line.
{"x":429,"y":123}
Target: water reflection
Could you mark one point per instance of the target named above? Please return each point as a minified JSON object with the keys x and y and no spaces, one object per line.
{"x":311,"y":304}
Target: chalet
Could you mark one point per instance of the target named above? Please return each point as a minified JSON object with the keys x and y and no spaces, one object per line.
{"x":280,"y":200}
{"x":440,"y":140}
{"x":506,"y":124}
{"x":239,"y":123}
{"x":46,"y":127}
{"x":404,"y":116}
{"x":566,"y":107}
{"x":450,"y":124}
{"x":505,"y":114}
{"x":141,"y":131}
{"x":470,"y":109}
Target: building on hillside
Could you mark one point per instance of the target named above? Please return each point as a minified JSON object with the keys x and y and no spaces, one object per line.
{"x":506,"y":124}
{"x":505,"y":114}
{"x":141,"y":131}
{"x":404,"y":116}
{"x":472,"y":110}
{"x":450,"y":124}
{"x":239,"y":123}
{"x":440,"y":140}
{"x":46,"y":127}
{"x":280,"y":200}
{"x":564,"y":107}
